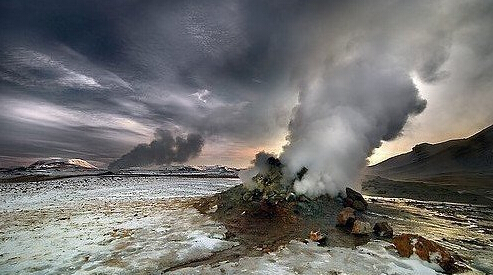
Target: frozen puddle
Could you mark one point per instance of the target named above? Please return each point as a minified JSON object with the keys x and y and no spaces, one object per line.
{"x":300,"y":258}
{"x":123,"y":238}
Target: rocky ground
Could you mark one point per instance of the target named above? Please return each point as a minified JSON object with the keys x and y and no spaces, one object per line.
{"x":458,"y":189}
{"x":264,"y":227}
{"x":260,"y":227}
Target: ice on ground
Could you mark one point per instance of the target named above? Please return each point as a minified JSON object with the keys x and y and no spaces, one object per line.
{"x":106,"y":225}
{"x":70,"y":192}
{"x":110,"y":241}
{"x":301,"y":258}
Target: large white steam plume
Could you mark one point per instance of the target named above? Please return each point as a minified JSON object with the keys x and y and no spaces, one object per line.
{"x":341,"y":117}
{"x":353,"y":71}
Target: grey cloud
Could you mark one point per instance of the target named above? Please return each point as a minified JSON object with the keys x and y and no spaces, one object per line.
{"x":164,"y":149}
{"x":153,"y":59}
{"x":30,"y":68}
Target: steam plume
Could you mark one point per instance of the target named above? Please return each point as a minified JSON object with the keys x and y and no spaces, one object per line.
{"x":259,"y":166}
{"x":340,"y":119}
{"x":164,"y":149}
{"x":355,"y":91}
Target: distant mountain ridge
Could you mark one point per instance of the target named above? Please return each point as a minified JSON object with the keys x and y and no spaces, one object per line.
{"x":56,"y":168}
{"x":468,"y":155}
{"x":183,"y":170}
{"x":61,"y":163}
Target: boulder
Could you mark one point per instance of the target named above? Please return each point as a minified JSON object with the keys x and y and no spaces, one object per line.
{"x":347,"y":202}
{"x":355,"y":200}
{"x":361,"y":228}
{"x":430,"y":251}
{"x":346,"y":217}
{"x":383,"y":229}
{"x":319,"y":238}
{"x":290,"y":197}
{"x":358,"y":205}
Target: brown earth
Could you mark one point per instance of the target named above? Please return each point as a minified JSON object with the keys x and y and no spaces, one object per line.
{"x":408,"y":244}
{"x":262,"y":227}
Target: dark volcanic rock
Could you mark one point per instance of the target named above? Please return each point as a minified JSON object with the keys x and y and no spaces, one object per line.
{"x":347,"y":202}
{"x":301,"y":173}
{"x":355,"y":200}
{"x":383,"y":229}
{"x":358,"y":205}
{"x":269,"y":183}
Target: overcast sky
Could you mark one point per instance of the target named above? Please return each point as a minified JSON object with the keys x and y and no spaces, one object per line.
{"x":93,"y":79}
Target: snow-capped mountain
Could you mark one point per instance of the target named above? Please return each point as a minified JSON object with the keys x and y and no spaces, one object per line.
{"x":61,"y":163}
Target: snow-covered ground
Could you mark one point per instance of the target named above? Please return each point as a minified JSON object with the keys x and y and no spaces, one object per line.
{"x":145,"y":225}
{"x":301,"y":258}
{"x":107,"y":225}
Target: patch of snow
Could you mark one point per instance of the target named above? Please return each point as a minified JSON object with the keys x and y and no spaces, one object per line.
{"x":414,"y":242}
{"x":81,"y":163}
{"x":431,"y":265}
{"x":200,"y":245}
{"x":300,"y":258}
{"x":111,"y":240}
{"x":435,"y":257}
{"x":97,"y":225}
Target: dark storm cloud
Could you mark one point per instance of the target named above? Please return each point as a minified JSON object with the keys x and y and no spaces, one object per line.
{"x":88,"y":27}
{"x":229,"y":69}
{"x":164,"y":149}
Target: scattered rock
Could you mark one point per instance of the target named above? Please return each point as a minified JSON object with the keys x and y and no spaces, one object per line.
{"x":270,"y":185}
{"x":212,"y":209}
{"x":229,"y":235}
{"x":355,"y":200}
{"x":361,"y":228}
{"x":291,"y":197}
{"x":303,"y":198}
{"x":319,"y":238}
{"x":383,"y":229}
{"x":270,"y":181}
{"x":408,"y":244}
{"x":358,"y":205}
{"x":121,"y":233}
{"x":348,"y":202}
{"x":346,"y":217}
{"x":314,"y":236}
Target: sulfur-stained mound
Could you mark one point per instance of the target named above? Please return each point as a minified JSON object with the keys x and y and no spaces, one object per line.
{"x":271,"y":215}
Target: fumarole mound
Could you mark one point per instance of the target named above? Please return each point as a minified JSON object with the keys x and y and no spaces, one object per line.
{"x":271,"y":214}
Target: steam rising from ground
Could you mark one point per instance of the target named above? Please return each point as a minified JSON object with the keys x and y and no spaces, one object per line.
{"x":260,"y":165}
{"x":347,"y":112}
{"x":355,"y":91}
{"x":164,"y":149}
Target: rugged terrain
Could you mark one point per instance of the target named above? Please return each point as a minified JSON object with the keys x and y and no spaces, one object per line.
{"x":455,"y":171}
{"x":473,"y":155}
